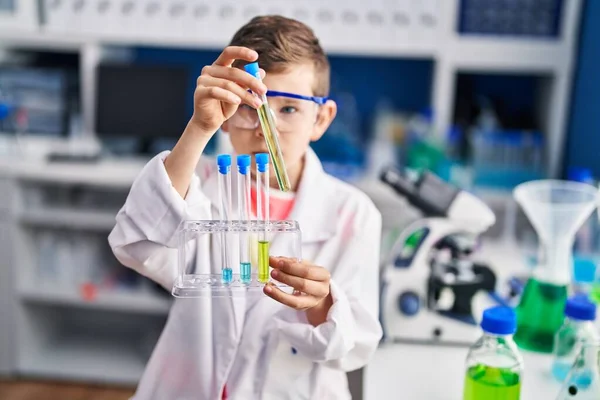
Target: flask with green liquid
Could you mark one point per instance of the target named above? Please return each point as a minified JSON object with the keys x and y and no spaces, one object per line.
{"x":556,"y":209}
{"x":494,"y":365}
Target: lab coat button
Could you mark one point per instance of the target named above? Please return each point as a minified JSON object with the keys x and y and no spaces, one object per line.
{"x":294,"y":351}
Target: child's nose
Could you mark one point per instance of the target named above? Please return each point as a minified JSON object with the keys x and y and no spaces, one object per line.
{"x":258,"y":131}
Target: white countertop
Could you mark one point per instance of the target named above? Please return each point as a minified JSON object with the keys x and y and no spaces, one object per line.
{"x":422,"y":372}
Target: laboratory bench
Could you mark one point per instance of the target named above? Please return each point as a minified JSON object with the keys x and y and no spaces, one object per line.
{"x":431,"y":372}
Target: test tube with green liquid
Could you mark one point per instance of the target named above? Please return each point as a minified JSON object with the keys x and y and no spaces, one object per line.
{"x":244,"y":199}
{"x":262,"y":214}
{"x":267,"y":124}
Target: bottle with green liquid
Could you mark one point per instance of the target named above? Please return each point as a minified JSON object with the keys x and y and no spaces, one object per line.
{"x":494,"y":366}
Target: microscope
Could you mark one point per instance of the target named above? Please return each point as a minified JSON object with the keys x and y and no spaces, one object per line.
{"x":432,"y":290}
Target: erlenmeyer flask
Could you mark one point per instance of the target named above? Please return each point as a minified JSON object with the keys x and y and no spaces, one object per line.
{"x":583,"y":380}
{"x":556,"y":209}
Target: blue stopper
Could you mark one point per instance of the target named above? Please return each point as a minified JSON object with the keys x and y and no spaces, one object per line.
{"x":578,"y":174}
{"x":499,"y":320}
{"x":243,"y":163}
{"x":262,"y":161}
{"x":580,"y":308}
{"x":252,"y":69}
{"x":223,"y":162}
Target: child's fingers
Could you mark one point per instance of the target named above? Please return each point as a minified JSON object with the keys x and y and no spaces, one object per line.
{"x":296,"y":302}
{"x":217,"y":93}
{"x":301,"y":269}
{"x":314,"y":288}
{"x":276,"y":261}
{"x":242,"y":78}
{"x":232,"y":53}
{"x":234,"y":88}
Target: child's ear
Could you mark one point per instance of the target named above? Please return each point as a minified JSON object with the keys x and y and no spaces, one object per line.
{"x":324,"y":118}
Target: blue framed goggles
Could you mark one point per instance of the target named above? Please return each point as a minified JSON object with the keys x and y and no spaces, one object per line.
{"x":247,"y":118}
{"x":315,"y":99}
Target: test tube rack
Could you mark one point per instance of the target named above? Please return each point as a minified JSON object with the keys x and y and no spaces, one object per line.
{"x":199,"y":255}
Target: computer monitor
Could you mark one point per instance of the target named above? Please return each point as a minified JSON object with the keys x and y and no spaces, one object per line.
{"x":141,"y":102}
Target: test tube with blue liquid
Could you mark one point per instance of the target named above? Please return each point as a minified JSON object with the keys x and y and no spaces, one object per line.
{"x":243,"y":164}
{"x":224,"y":188}
{"x":262,"y":214}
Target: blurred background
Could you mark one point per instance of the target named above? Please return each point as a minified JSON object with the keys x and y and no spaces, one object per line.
{"x":485,"y":93}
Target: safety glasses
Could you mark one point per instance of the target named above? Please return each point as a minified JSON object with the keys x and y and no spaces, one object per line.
{"x":291,"y":111}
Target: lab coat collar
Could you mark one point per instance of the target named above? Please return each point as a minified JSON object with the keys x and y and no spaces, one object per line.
{"x":315,"y":206}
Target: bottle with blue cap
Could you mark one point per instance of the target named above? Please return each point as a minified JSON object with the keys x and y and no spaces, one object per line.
{"x":577,"y":330}
{"x":494,"y":364}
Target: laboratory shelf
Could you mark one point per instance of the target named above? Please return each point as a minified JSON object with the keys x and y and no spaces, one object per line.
{"x":74,"y":219}
{"x":480,"y":53}
{"x":132,"y":302}
{"x":110,"y":173}
{"x":39,"y":40}
{"x":87,"y":359}
{"x":74,"y":42}
{"x":504,"y":54}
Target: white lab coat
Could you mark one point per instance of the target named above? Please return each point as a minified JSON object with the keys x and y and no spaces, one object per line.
{"x":259,"y":348}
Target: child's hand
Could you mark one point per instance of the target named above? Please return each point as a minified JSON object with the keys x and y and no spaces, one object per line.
{"x":221,"y":88}
{"x":311,"y":284}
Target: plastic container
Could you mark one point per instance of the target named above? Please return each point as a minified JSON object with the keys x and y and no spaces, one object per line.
{"x":584,"y":275}
{"x":577,"y":330}
{"x":583,"y":380}
{"x":199,"y":255}
{"x":584,"y":239}
{"x":494,"y":365}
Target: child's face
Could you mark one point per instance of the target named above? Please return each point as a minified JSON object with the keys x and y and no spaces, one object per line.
{"x":299,"y":122}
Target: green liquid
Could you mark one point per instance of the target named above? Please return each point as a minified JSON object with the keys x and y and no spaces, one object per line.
{"x":539,"y":315}
{"x":268,"y":127}
{"x":595,"y":293}
{"x":263,"y":261}
{"x":490,"y":383}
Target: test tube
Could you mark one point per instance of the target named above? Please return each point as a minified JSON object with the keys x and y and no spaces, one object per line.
{"x":262,"y":214}
{"x":270,"y":133}
{"x":243,"y":164}
{"x":224,"y":188}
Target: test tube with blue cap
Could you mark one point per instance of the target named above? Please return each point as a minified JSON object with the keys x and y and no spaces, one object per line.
{"x":224,"y":188}
{"x":243,"y":164}
{"x":267,"y":124}
{"x":262,"y":214}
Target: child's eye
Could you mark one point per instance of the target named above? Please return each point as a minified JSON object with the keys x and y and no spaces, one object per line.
{"x":288,"y":110}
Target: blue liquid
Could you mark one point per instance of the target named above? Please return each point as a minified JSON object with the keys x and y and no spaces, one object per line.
{"x":227,"y":275}
{"x":581,"y":379}
{"x":560,"y":370}
{"x":245,"y":272}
